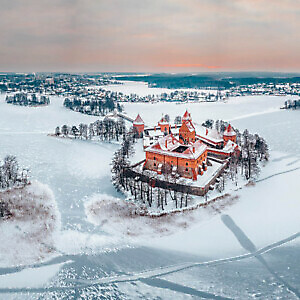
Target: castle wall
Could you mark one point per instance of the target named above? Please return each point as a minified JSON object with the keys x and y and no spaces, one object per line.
{"x":187,"y":168}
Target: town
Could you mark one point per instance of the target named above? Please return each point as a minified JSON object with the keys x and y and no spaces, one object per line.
{"x":86,"y":92}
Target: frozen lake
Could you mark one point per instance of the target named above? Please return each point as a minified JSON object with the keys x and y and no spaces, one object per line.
{"x":76,"y":170}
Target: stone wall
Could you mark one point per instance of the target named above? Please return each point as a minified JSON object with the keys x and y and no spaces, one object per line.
{"x":155,"y":182}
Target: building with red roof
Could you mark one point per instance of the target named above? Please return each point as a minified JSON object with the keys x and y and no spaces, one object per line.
{"x":187,"y":132}
{"x":183,"y":151}
{"x":229,"y":134}
{"x":139,"y":125}
{"x":170,"y":155}
{"x":164,"y":125}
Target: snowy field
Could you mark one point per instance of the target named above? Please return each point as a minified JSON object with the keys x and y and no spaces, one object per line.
{"x":141,"y":89}
{"x":247,"y":250}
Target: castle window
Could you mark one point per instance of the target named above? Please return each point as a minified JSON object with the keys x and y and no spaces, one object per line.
{"x":154,"y":158}
{"x":154,"y":164}
{"x":186,"y":169}
{"x":187,"y":164}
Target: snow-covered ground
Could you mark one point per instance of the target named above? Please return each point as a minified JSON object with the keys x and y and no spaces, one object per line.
{"x":28,"y":235}
{"x":142,"y":89}
{"x":264,"y":216}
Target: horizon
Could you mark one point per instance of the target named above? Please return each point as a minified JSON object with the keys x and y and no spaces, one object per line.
{"x":143,"y":74}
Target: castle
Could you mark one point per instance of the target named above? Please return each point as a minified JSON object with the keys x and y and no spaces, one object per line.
{"x":180,"y":150}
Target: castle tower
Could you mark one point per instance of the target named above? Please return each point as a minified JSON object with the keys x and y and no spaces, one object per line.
{"x":229,"y":134}
{"x":187,"y":133}
{"x":139,"y":125}
{"x":187,"y":116}
{"x":164,"y":125}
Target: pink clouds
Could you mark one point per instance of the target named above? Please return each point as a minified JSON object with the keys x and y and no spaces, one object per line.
{"x":150,"y":35}
{"x":192,"y":65}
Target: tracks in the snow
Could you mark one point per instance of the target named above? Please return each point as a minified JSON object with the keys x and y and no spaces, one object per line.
{"x":277,"y":174}
{"x":142,"y":275}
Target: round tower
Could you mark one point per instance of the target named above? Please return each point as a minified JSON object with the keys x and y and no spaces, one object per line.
{"x":187,"y":116}
{"x":164,"y":125}
{"x":139,"y":125}
{"x":229,"y":134}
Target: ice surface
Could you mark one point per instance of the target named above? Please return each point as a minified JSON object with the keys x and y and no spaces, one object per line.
{"x":77,"y":170}
{"x":31,"y":277}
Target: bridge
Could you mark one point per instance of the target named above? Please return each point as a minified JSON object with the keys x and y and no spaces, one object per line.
{"x":119,"y":114}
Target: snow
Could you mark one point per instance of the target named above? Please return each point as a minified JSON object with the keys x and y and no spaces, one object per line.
{"x":212,"y":134}
{"x":204,"y":179}
{"x":124,"y":219}
{"x":230,"y":146}
{"x":267,"y":212}
{"x":236,"y":108}
{"x":168,"y":144}
{"x":142,"y":89}
{"x":29,"y":233}
{"x":229,"y":131}
{"x":78,"y":173}
{"x":31,"y":277}
{"x":139,"y":153}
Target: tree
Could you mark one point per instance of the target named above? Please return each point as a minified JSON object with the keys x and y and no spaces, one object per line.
{"x":167,"y":118}
{"x":11,"y":169}
{"x":57,"y":131}
{"x":178,"y":120}
{"x":75,"y":131}
{"x":208,"y":123}
{"x":65,"y":130}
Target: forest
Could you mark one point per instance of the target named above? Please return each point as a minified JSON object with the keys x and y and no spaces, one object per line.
{"x":213,"y":80}
{"x":292,"y":104}
{"x":102,"y":130}
{"x":96,"y":106}
{"x":24,"y":99}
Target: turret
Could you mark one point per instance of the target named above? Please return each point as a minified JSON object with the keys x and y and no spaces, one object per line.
{"x":186,"y":116}
{"x":187,"y":131}
{"x":229,"y":134}
{"x":139,"y":125}
{"x":164,"y":125}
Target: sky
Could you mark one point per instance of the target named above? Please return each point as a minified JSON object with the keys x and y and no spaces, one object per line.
{"x":149,"y":35}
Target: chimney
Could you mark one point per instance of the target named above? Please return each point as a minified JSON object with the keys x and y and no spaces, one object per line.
{"x":166,"y":143}
{"x":193,"y":149}
{"x":154,"y":128}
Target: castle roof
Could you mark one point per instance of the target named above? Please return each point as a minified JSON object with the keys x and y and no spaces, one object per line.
{"x":138,"y":120}
{"x":186,"y":116}
{"x":229,"y":131}
{"x":231,"y":147}
{"x":190,"y":126}
{"x":163,"y":121}
{"x":208,"y":135}
{"x":169,"y":146}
